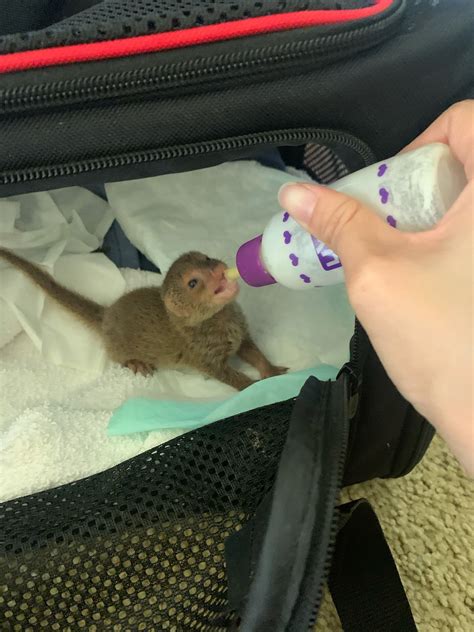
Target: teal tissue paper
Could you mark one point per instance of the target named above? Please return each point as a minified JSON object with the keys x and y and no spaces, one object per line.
{"x":144,"y":415}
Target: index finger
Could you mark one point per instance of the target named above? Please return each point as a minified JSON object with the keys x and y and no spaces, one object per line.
{"x":455,"y":127}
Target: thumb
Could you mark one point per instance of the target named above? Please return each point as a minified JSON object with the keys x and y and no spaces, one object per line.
{"x":344,"y":224}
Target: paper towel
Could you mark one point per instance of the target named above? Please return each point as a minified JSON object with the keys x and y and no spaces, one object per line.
{"x":59,"y":229}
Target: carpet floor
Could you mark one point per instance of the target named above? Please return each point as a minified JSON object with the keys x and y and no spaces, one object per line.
{"x":427,"y":518}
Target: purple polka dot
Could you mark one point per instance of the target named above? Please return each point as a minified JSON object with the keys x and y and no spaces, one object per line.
{"x":392,"y":221}
{"x":383,"y":195}
{"x":382,"y":169}
{"x":294,"y":260}
{"x":305,"y":278}
{"x":286,"y":216}
{"x":287,"y":237}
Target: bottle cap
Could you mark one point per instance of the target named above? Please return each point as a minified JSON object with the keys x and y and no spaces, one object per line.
{"x":250,"y":264}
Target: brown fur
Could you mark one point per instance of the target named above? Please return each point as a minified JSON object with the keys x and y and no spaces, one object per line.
{"x":89,"y":312}
{"x":174,"y":325}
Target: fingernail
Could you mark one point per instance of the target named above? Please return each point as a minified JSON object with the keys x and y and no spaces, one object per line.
{"x":298,"y":200}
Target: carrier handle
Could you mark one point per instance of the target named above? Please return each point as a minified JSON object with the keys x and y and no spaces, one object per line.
{"x":364,"y":581}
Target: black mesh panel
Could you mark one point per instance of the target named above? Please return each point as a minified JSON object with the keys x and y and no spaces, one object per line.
{"x":140,"y":546}
{"x":110,"y":19}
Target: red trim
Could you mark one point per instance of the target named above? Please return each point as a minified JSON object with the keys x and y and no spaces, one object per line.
{"x":12,"y":62}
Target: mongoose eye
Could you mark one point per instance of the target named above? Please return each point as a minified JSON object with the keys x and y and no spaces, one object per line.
{"x":192,"y":284}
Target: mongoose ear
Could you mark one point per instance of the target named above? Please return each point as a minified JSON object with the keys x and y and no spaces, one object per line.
{"x":176,"y":306}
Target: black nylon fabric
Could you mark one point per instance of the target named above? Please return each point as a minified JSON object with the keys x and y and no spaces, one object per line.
{"x":28,"y":15}
{"x":383,"y":102}
{"x":82,"y":21}
{"x":376,"y":443}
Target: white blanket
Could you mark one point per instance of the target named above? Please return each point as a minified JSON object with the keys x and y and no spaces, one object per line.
{"x":54,"y":413}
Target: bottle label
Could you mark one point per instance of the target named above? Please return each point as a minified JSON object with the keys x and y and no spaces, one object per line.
{"x":327,"y":258}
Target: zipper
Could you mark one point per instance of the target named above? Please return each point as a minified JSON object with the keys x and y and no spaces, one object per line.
{"x":275,"y":138}
{"x":226,"y":66}
{"x":333,"y":489}
{"x":353,"y":369}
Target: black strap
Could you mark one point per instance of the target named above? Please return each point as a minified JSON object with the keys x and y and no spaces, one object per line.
{"x":364,"y":580}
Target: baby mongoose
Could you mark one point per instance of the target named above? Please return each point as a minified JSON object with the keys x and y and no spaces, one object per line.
{"x":191,"y":320}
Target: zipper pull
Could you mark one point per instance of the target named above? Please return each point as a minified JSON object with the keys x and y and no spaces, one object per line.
{"x":354,"y":384}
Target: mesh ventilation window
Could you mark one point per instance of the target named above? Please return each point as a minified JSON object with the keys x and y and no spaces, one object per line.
{"x":140,"y":546}
{"x":111,"y":19}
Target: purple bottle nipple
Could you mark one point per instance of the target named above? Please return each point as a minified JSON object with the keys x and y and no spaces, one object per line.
{"x":250,"y":266}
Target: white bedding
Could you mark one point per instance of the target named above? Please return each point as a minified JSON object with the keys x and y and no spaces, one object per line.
{"x":54,"y":412}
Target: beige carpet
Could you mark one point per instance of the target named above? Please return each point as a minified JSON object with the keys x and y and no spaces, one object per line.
{"x":427,"y":517}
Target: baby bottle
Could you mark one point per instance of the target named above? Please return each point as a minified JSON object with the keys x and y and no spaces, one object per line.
{"x":411,"y":192}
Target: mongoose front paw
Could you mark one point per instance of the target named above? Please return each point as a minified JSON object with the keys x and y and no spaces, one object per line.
{"x":272,"y":371}
{"x":137,"y":366}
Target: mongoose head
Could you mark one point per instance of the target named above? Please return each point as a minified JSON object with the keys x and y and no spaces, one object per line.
{"x":195,"y":287}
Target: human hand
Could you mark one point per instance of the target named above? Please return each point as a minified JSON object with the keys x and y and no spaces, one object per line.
{"x":412,"y":292}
